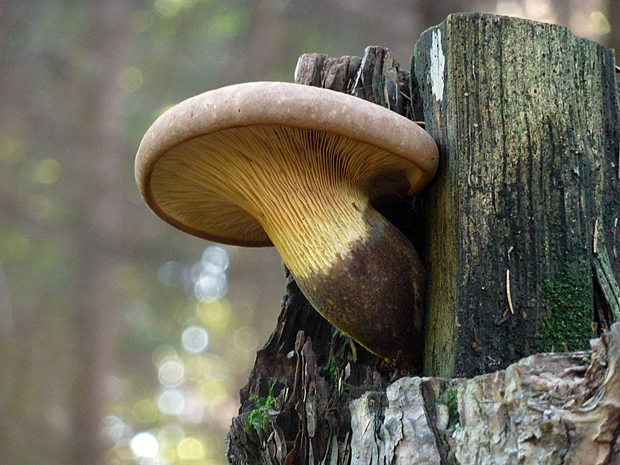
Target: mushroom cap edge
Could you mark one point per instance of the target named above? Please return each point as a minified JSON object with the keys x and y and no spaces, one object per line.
{"x":285,"y":104}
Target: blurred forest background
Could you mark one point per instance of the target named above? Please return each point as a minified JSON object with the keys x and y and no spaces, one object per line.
{"x":123,"y":340}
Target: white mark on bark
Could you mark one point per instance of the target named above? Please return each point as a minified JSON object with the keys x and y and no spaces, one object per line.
{"x":437,"y":66}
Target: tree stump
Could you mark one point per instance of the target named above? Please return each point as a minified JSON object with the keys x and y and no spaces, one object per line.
{"x":519,"y":235}
{"x":523,"y":216}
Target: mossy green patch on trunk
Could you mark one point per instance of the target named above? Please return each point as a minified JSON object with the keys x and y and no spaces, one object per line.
{"x":569,"y":326}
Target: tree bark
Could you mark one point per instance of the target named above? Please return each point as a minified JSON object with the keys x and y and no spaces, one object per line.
{"x":519,"y":235}
{"x":523,"y":215}
{"x":553,"y":408}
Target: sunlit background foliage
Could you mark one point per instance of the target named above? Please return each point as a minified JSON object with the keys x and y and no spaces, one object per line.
{"x":124,"y":341}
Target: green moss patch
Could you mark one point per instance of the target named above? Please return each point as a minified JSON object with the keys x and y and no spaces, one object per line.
{"x":569,"y":326}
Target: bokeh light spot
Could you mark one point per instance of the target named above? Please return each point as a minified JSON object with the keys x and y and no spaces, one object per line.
{"x":223,"y":410}
{"x":191,"y":449}
{"x":130,"y":79}
{"x":215,"y":315}
{"x":48,"y":171}
{"x":208,"y":276}
{"x":145,"y":411}
{"x":171,"y":402}
{"x":213,"y":390}
{"x":210,"y":287}
{"x":144,"y":445}
{"x":122,"y":452}
{"x":195,"y":339}
{"x":113,"y":428}
{"x":541,"y":10}
{"x":228,"y":24}
{"x":168,"y":8}
{"x":215,"y":259}
{"x":171,"y":373}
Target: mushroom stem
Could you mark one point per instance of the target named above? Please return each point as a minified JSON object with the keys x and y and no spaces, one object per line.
{"x":355,"y":268}
{"x":373,"y":291}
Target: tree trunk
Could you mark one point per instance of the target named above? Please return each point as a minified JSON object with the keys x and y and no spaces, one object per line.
{"x":522,"y":222}
{"x":519,"y":235}
{"x":98,"y":315}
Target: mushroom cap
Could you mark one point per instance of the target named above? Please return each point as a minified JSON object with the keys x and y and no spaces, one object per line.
{"x":213,"y":215}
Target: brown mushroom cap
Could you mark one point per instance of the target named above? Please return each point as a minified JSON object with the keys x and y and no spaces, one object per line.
{"x":192,"y":154}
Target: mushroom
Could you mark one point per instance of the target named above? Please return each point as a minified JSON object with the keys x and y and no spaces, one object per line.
{"x":299,"y":167}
